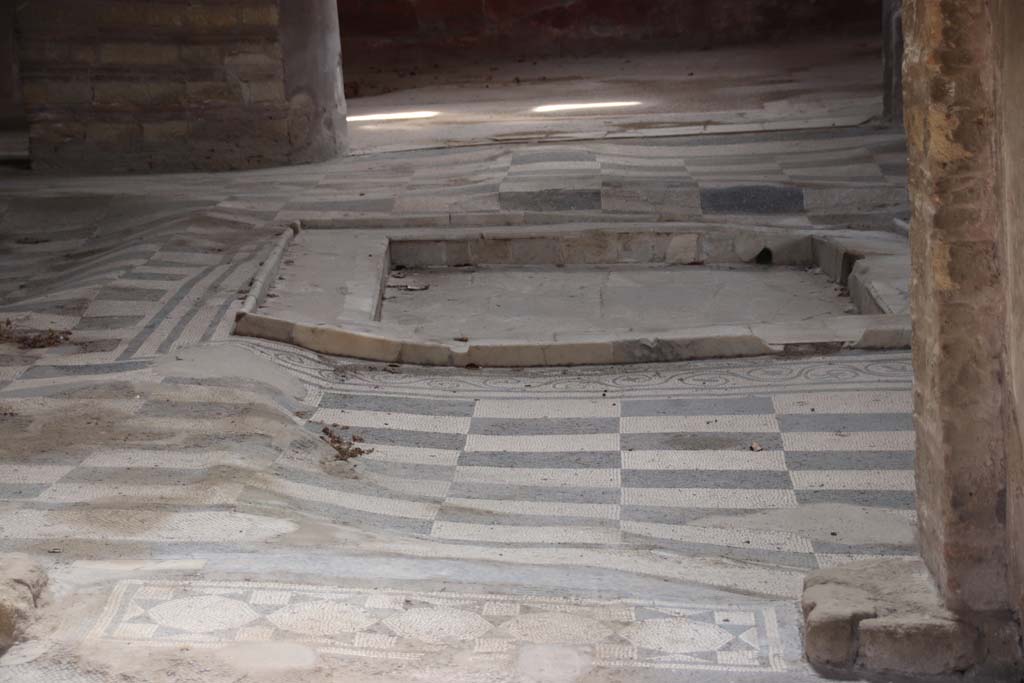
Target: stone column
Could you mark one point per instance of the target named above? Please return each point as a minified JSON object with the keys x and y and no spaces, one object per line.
{"x":892,"y":60}
{"x":12,"y":111}
{"x":964,"y":98}
{"x":958,"y":302}
{"x":113,"y":86}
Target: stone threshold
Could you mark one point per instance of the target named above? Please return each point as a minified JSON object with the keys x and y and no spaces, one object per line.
{"x":873,"y":266}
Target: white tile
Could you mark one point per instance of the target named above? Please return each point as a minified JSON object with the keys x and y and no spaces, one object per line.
{"x":493,"y":533}
{"x":856,"y":480}
{"x":848,"y":441}
{"x":207,"y":526}
{"x":731,"y":538}
{"x":84,"y":492}
{"x":844,"y":402}
{"x":434,"y":488}
{"x":583,"y":477}
{"x":371,"y":419}
{"x":553,"y":443}
{"x":699,"y":423}
{"x":530,"y":507}
{"x":381,"y":506}
{"x":704,"y":460}
{"x":740,"y":499}
{"x":828,"y":560}
{"x":170,"y":459}
{"x":535,"y":408}
{"x":410,"y":454}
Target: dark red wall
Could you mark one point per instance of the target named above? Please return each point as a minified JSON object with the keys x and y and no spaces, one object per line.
{"x":401,"y":29}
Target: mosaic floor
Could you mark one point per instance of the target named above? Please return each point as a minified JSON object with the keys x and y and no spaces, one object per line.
{"x":599,"y":524}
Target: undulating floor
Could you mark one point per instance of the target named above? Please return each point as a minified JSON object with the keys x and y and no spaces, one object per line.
{"x":215,"y":508}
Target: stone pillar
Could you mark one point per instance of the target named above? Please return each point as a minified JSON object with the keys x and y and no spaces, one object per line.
{"x":114,"y":86}
{"x":964,"y":98}
{"x":1010,"y":142}
{"x":959,"y":306}
{"x":892,"y":60}
{"x":12,"y":111}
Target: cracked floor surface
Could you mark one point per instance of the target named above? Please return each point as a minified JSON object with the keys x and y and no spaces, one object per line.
{"x":601,"y":524}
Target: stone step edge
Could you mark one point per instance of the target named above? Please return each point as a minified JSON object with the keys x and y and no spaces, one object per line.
{"x":365,"y":342}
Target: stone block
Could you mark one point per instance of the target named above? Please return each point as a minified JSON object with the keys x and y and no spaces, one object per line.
{"x":22,"y":590}
{"x":683,"y":249}
{"x":261,"y":15}
{"x":264,"y":327}
{"x":213,"y":92}
{"x":213,"y":17}
{"x":58,"y":92}
{"x":56,"y":133}
{"x":133,"y":94}
{"x":123,"y":135}
{"x":164,"y":131}
{"x":418,"y":253}
{"x":131,"y":54}
{"x":535,"y":251}
{"x":711,"y":342}
{"x":202,"y":55}
{"x":490,"y":251}
{"x":456,"y":253}
{"x":591,"y":248}
{"x":254,"y":66}
{"x":340,"y":342}
{"x":916,"y":645}
{"x":577,"y":352}
{"x":831,"y":616}
{"x":264,"y":91}
{"x":887,"y":617}
{"x":425,"y":353}
{"x":505,"y":354}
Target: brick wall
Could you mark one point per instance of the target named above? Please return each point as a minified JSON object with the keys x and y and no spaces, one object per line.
{"x":409,"y":29}
{"x":128,"y":85}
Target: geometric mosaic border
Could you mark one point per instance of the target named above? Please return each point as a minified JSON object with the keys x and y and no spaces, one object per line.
{"x":405,"y":625}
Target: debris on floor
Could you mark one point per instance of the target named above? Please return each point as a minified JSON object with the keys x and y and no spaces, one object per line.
{"x":31,"y":339}
{"x":346,"y":449}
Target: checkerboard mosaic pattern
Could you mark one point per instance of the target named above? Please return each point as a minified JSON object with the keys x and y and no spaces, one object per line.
{"x":613,"y":458}
{"x":633,"y":471}
{"x":408,"y":626}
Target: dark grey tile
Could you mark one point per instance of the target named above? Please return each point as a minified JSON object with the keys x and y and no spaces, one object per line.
{"x":705,"y":479}
{"x":131,"y":294}
{"x":752,"y":199}
{"x":748,"y":405}
{"x":392,"y":404}
{"x":468,"y":515}
{"x":568,"y":494}
{"x":897,"y":500}
{"x":850,"y":460}
{"x":874,"y":422}
{"x":109,"y":322}
{"x":774,"y":557}
{"x":699,"y":441}
{"x":552,"y":200}
{"x":21,"y":491}
{"x":600,"y":460}
{"x":840,"y":548}
{"x":398,"y":437}
{"x":46,"y":371}
{"x":517,"y":427}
